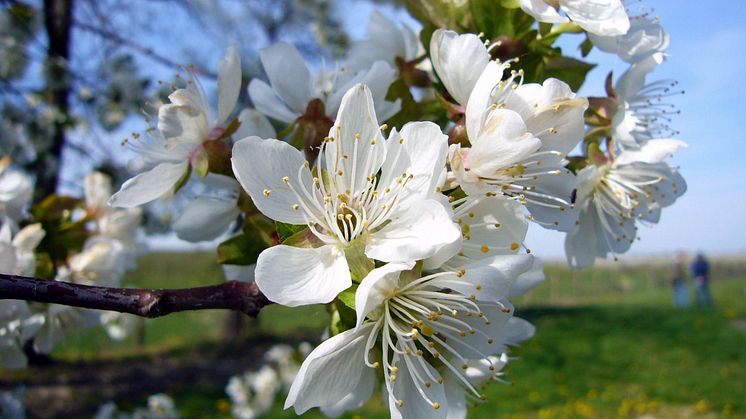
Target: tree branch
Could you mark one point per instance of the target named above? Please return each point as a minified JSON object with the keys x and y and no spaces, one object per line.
{"x":232,"y":295}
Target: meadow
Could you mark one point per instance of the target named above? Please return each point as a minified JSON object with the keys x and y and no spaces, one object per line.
{"x":609,"y":345}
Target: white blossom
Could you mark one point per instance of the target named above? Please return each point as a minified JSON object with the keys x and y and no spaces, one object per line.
{"x":16,"y":190}
{"x":183,"y":125}
{"x":292,"y":86}
{"x":612,"y":197}
{"x":519,"y":135}
{"x":602,"y":17}
{"x":453,"y":317}
{"x":343,"y":201}
{"x":385,"y":41}
{"x":210,"y":214}
{"x":641,"y":113}
{"x":645,"y":37}
{"x":17,"y":325}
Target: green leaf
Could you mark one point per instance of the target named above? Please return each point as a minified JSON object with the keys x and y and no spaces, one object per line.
{"x":285,"y":231}
{"x":569,"y":70}
{"x":345,"y":305}
{"x":243,"y":249}
{"x":347,"y":297}
{"x":586,"y":47}
{"x":55,"y":207}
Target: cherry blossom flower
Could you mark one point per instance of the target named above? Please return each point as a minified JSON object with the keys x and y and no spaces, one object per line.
{"x":430,"y":329}
{"x":601,"y":17}
{"x":292,"y":86}
{"x":614,"y":195}
{"x":184,"y":125}
{"x":344,"y":202}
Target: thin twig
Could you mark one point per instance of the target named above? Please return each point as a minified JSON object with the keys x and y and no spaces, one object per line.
{"x":231,"y":295}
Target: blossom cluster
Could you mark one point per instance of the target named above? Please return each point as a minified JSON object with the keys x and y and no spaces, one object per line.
{"x":253,"y":393}
{"x":109,"y":249}
{"x":413,"y":233}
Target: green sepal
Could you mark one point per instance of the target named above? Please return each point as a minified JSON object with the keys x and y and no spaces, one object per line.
{"x":201,"y":163}
{"x":360,"y":265}
{"x":183,"y":179}
{"x":285,"y":231}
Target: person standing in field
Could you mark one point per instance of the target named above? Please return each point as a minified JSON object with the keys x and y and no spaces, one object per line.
{"x":701,"y":274}
{"x":678,"y":283}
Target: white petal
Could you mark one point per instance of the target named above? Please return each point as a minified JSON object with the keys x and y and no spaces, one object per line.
{"x":182,"y":124}
{"x":404,"y":389}
{"x":491,"y":279}
{"x":542,"y":11}
{"x":554,"y":214}
{"x":331,"y":372}
{"x":459,"y":61}
{"x":357,"y":136}
{"x":288,"y":75}
{"x":379,"y":284}
{"x":653,"y":151}
{"x":295,"y":276}
{"x":518,"y":330}
{"x":205,"y":218}
{"x":254,"y":123}
{"x":632,"y":80}
{"x":148,"y":186}
{"x":552,"y":113}
{"x":529,"y":279}
{"x":493,"y":226}
{"x":266,"y":101}
{"x":502,"y":142}
{"x":602,"y":17}
{"x":384,"y":42}
{"x":377,"y":79}
{"x":644,"y":38}
{"x":260,"y":166}
{"x":417,"y":233}
{"x":29,"y":237}
{"x":356,"y":398}
{"x":229,"y":83}
{"x":97,"y":189}
{"x":419,"y":150}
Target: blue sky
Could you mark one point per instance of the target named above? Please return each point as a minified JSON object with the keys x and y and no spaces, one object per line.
{"x":706,"y":56}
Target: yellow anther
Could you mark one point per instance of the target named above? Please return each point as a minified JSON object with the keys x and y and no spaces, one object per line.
{"x":484,"y":248}
{"x":514,"y":246}
{"x":266,"y":192}
{"x":296,"y":207}
{"x":286,"y":179}
{"x":436,"y":405}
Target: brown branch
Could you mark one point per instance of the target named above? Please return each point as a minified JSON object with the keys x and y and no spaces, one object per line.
{"x":231,"y":295}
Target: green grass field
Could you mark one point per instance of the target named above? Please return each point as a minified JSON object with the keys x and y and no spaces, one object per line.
{"x":608,"y":345}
